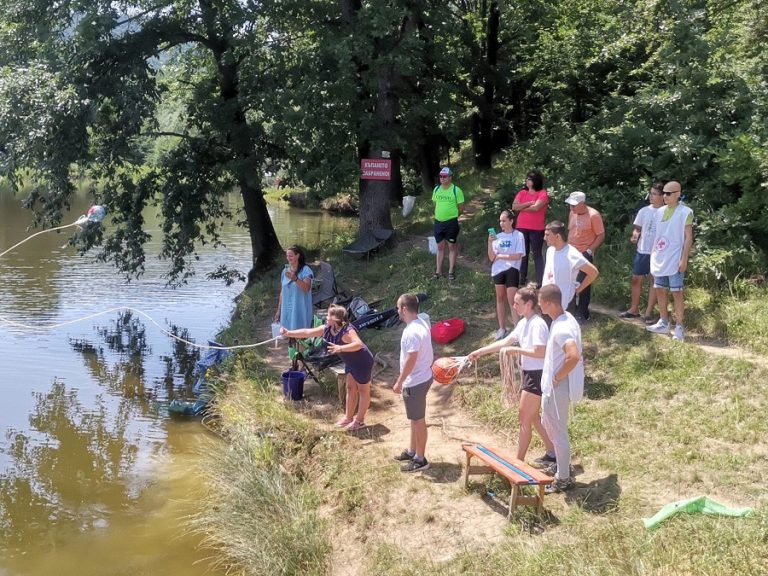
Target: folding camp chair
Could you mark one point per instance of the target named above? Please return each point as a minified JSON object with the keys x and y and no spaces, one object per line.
{"x":328,"y":288}
{"x":368,"y":242}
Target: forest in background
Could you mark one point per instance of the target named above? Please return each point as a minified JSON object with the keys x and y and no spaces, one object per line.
{"x":172,"y":104}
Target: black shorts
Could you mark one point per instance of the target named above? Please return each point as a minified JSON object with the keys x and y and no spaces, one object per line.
{"x":509,"y":278}
{"x":448,"y":230}
{"x":532,"y":381}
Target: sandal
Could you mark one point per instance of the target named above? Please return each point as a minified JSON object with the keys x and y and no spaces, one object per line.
{"x":451,"y":276}
{"x":344,"y":422}
{"x":354,"y":425}
{"x":436,"y":276}
{"x":629,"y":314}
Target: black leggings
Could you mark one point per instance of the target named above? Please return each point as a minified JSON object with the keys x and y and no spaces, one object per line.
{"x":534,"y":242}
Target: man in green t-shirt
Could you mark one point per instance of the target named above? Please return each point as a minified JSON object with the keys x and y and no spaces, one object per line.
{"x":449,"y":203}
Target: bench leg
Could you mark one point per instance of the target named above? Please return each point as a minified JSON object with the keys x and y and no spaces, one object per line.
{"x":512,"y":501}
{"x":466,"y":471}
{"x":540,"y":504}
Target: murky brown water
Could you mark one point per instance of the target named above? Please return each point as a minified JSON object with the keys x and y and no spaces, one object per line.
{"x":95,"y":478}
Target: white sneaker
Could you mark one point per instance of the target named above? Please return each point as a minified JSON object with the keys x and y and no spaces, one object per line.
{"x":500,"y":333}
{"x":661,"y":327}
{"x":679,"y":334}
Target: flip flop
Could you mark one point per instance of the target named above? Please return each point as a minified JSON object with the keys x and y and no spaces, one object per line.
{"x":436,"y":276}
{"x":629,"y":315}
{"x":354,"y":425}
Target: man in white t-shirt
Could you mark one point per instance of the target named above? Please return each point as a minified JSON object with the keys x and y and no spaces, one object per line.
{"x":643,"y":231}
{"x":562,"y":381}
{"x":415,"y":379}
{"x":563,"y":264}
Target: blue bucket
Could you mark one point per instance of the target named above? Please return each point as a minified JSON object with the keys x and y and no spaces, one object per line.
{"x":293,"y":384}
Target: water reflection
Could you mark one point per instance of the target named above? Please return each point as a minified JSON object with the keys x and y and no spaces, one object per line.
{"x":94,"y":476}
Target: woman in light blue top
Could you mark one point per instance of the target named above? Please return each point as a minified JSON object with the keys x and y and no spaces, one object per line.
{"x":294,"y":305}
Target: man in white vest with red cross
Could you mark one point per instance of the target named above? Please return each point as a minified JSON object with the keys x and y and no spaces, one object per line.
{"x":669,"y":257}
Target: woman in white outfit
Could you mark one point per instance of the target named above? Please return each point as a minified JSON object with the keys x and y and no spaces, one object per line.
{"x":505,"y":251}
{"x":529,"y":340}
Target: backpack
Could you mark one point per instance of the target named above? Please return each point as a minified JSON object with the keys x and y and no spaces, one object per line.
{"x":447,"y":331}
{"x":358,"y":308}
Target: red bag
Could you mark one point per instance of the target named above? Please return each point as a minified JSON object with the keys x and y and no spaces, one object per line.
{"x":447,"y":330}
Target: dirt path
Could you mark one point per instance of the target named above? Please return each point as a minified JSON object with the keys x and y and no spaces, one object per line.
{"x":428,"y":510}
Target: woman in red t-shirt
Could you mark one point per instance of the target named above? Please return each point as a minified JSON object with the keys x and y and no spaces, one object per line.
{"x":531,"y":206}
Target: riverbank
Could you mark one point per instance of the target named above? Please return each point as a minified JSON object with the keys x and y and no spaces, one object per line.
{"x":661,"y":421}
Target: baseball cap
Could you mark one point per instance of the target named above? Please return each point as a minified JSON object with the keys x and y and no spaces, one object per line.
{"x":576,"y":198}
{"x":445,"y":171}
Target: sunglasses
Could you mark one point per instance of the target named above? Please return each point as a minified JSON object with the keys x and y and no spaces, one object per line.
{"x":670,"y":193}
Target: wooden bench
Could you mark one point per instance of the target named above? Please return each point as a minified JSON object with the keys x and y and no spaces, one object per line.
{"x":517,"y":472}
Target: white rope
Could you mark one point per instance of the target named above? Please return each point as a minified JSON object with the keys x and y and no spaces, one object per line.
{"x":40,"y":327}
{"x":38,"y":234}
{"x":96,"y":216}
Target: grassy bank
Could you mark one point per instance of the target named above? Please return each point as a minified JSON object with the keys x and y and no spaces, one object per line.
{"x":661,"y":421}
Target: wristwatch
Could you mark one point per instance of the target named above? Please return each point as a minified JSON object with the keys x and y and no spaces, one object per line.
{"x":589,"y":251}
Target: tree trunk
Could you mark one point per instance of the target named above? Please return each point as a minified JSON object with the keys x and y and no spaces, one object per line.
{"x":429,"y":163}
{"x":482,"y":121}
{"x":238,"y":135}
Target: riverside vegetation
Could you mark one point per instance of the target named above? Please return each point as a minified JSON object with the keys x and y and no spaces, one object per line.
{"x":661,"y":421}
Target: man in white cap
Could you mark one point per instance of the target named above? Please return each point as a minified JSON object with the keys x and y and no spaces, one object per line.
{"x":449,"y":203}
{"x":585,"y":233}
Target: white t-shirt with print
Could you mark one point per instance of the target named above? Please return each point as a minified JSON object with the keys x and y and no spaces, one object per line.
{"x":417,"y":337}
{"x":561,"y":268}
{"x":507,"y":243}
{"x":531,"y":333}
{"x":646,"y":221}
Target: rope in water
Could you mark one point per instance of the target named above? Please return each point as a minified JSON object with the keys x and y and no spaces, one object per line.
{"x":37,"y":234}
{"x":96,"y":214}
{"x":141,"y":313}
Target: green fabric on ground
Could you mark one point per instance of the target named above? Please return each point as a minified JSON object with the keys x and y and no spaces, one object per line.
{"x":696,"y":505}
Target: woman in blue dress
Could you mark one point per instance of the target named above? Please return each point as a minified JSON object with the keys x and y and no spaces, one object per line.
{"x":294,"y":305}
{"x":342,"y":339}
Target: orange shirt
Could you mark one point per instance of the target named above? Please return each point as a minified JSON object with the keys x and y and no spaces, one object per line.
{"x":584,"y":228}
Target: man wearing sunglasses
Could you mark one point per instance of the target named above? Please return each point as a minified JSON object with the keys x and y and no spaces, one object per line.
{"x":669,"y":257}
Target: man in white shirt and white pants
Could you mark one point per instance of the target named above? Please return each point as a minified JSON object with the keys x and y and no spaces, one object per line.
{"x":562,"y":381}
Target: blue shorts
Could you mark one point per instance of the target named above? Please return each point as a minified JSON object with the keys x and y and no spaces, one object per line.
{"x":642,"y":265}
{"x":448,"y":230}
{"x":672,"y":283}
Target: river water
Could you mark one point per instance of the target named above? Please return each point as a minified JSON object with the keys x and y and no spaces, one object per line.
{"x":95,"y":478}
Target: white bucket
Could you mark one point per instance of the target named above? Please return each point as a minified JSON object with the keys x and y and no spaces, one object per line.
{"x":432,"y":244}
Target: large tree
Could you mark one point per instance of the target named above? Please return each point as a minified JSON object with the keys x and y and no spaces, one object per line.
{"x":80,"y":93}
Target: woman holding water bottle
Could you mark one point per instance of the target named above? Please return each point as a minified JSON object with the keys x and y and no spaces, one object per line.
{"x":505,"y":251}
{"x":342,"y":339}
{"x":294,"y":305}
